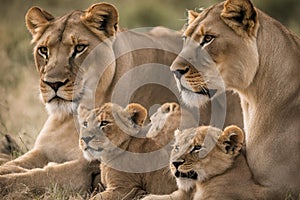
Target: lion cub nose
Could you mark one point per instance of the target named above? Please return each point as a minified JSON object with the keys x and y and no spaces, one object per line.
{"x":56,"y":85}
{"x":177,"y":163}
{"x":87,"y":139}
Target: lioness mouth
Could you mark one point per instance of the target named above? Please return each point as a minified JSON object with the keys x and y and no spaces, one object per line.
{"x":57,"y":98}
{"x":208,"y":92}
{"x":191,"y":174}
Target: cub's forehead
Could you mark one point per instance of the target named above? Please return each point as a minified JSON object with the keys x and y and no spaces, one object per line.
{"x":197,"y":135}
{"x":108,"y":110}
{"x":186,"y":136}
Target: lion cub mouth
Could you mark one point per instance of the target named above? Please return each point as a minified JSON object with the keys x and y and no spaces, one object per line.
{"x":191,"y":175}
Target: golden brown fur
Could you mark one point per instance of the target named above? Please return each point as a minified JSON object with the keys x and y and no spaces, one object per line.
{"x":108,"y":134}
{"x":208,"y":164}
{"x":62,"y":44}
{"x":258,"y":58}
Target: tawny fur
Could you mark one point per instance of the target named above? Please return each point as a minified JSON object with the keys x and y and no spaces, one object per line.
{"x":123,"y":126}
{"x":258,"y":58}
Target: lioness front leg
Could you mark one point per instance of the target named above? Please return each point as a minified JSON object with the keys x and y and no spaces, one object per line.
{"x":31,"y":159}
{"x":75,"y":175}
{"x":177,"y":195}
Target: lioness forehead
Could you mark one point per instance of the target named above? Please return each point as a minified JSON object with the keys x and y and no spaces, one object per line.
{"x":62,"y":27}
{"x":196,"y":27}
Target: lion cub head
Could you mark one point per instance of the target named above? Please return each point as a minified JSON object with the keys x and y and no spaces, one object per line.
{"x":108,"y":127}
{"x":204,"y":152}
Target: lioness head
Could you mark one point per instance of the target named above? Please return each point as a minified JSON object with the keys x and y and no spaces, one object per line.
{"x":219,"y":46}
{"x":204,"y":152}
{"x":62,"y":44}
{"x":106,"y":128}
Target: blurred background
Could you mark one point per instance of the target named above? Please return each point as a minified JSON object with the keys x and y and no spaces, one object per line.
{"x":21,"y":112}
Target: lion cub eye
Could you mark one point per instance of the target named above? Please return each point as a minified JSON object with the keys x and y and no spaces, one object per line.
{"x":103,"y":123}
{"x":207,"y":39}
{"x":196,"y":148}
{"x":43,"y":51}
{"x":79,"y":48}
{"x":85,"y":124}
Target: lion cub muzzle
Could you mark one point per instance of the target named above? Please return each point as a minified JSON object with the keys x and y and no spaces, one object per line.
{"x":178,"y":174}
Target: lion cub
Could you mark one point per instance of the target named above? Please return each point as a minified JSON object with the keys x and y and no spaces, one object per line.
{"x":208,"y":164}
{"x":130,"y":166}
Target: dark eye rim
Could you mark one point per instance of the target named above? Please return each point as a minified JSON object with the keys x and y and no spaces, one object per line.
{"x":81,"y":47}
{"x":43,"y":51}
{"x":196,"y":148}
{"x":207,"y":39}
{"x":104,"y":123}
{"x":85,"y":124}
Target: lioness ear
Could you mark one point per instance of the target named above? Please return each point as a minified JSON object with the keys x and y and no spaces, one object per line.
{"x":232,"y":139}
{"x":102,"y":17}
{"x":241,"y":16}
{"x":37,"y":21}
{"x":137,"y":113}
{"x":192,"y":15}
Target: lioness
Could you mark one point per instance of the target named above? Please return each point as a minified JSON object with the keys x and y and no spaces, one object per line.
{"x":108,"y":133}
{"x":208,"y":164}
{"x":258,"y":58}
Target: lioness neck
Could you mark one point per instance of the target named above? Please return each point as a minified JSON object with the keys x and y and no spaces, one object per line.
{"x":271,"y":104}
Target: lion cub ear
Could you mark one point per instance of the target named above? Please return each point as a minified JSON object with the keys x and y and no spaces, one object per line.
{"x":37,"y":20}
{"x":192,"y":15}
{"x":231,"y":140}
{"x":241,"y":16}
{"x":137,"y":113}
{"x":102,"y":17}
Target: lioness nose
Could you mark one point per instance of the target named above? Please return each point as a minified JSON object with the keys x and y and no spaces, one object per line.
{"x":56,"y":85}
{"x":177,"y":163}
{"x":179,"y":72}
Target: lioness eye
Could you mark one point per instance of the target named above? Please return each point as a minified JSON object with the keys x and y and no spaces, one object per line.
{"x":176,"y":148}
{"x":79,"y":48}
{"x":85,"y":124}
{"x":43,"y":51}
{"x":207,"y":39}
{"x":196,"y":148}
